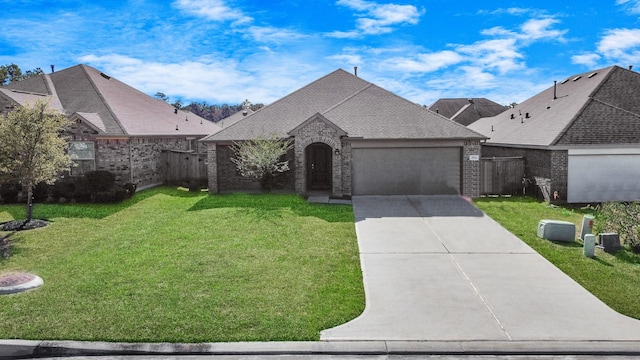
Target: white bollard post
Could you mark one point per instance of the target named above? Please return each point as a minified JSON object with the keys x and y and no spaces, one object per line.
{"x":589,"y":245}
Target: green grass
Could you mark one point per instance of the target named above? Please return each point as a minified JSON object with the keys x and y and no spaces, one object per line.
{"x":174,"y":266}
{"x":612,"y":278}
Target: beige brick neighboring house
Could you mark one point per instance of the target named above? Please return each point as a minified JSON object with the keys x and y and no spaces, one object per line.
{"x":116,"y":127}
{"x":352,"y":137}
{"x":582,"y":136}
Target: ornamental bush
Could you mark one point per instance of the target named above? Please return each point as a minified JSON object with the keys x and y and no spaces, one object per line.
{"x":622,"y":218}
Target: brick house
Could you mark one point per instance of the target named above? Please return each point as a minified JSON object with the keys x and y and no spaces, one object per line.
{"x":465,"y":111}
{"x":116,"y":127}
{"x":352,"y":137}
{"x":580,"y":138}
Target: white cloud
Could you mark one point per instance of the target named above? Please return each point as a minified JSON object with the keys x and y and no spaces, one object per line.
{"x":273,"y":34}
{"x":264,"y":78}
{"x":538,"y":29}
{"x":621,"y":46}
{"x":423,"y":63}
{"x":633,"y":6}
{"x":587,"y":59}
{"x":352,"y":60}
{"x":215,"y":10}
{"x":498,"y":54}
{"x":374,"y":18}
{"x":531,"y":30}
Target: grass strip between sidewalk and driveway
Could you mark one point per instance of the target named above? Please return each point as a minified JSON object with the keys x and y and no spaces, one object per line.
{"x":174,"y":266}
{"x":613,"y":278}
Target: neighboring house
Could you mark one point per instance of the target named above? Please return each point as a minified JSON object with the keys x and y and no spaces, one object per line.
{"x":352,"y":137}
{"x":116,"y":127}
{"x":580,"y":138}
{"x":465,"y":111}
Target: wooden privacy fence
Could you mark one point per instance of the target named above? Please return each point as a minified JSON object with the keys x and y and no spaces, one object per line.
{"x":501,"y":176}
{"x":183,"y":166}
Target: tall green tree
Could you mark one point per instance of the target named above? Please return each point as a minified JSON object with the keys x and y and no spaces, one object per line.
{"x":33,"y":147}
{"x":11,"y":73}
{"x":262,"y":158}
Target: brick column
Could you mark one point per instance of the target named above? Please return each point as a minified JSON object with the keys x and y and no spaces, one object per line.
{"x":471,"y":169}
{"x":212,"y":168}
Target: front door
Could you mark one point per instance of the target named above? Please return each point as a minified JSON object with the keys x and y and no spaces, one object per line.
{"x":319,"y":166}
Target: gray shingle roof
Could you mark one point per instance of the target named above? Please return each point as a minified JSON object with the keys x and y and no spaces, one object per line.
{"x":360,"y":108}
{"x":465,"y":111}
{"x":111,"y":105}
{"x":595,"y":107}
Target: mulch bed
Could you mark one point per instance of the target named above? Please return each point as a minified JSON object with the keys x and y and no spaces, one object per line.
{"x":17,"y":225}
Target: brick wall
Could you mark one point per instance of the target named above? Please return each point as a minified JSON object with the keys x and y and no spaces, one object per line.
{"x":347,"y":159}
{"x":212,"y":168}
{"x":223,"y":176}
{"x":319,"y":131}
{"x":113,"y":155}
{"x":147,"y":167}
{"x":471,"y":169}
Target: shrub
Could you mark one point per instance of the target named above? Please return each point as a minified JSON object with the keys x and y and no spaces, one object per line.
{"x":621,"y":218}
{"x":63,"y":189}
{"x":9,"y":192}
{"x":82,"y":192}
{"x":41,"y":192}
{"x":100,"y":180}
{"x":131,"y":189}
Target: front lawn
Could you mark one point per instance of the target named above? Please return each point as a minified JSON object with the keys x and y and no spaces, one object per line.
{"x":173,"y":266}
{"x":612,"y":278}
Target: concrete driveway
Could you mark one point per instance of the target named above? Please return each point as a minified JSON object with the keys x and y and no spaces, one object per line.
{"x":436,"y":268}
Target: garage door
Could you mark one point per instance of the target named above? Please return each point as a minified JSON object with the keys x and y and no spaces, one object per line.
{"x":406,"y":171}
{"x":603,"y":175}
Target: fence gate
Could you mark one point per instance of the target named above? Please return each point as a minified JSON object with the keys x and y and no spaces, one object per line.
{"x":501,"y":176}
{"x":183,"y":166}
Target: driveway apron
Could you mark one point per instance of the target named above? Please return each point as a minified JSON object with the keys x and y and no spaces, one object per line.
{"x":437,"y":268}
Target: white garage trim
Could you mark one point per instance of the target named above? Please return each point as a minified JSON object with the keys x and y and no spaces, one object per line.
{"x":598,"y":175}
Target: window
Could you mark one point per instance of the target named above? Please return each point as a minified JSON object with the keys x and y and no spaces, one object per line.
{"x":84,"y":157}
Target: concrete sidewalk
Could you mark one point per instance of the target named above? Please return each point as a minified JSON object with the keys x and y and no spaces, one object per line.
{"x":437,"y":269}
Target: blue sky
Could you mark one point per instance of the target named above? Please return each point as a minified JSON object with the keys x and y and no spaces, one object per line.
{"x":230,"y":50}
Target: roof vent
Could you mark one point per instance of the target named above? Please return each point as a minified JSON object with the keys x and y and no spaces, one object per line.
{"x":513,"y":116}
{"x":577,"y":78}
{"x":630,"y":67}
{"x":105,"y":76}
{"x":592,"y":75}
{"x":564,"y":81}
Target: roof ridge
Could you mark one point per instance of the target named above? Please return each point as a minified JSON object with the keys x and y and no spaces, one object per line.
{"x":302,"y":88}
{"x":590,"y":98}
{"x":616,"y":107}
{"x":461,"y":110}
{"x":347,"y":98}
{"x":104,"y":101}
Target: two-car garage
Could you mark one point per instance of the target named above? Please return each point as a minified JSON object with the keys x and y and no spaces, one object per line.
{"x":597,"y":175}
{"x":398,"y":170}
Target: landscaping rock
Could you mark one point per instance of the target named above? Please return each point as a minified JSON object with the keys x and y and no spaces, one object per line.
{"x":17,"y":225}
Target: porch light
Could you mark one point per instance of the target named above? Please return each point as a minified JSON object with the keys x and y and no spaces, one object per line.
{"x":337,"y":151}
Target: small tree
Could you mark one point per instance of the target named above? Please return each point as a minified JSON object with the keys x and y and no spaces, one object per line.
{"x":262,"y":158}
{"x":32,"y":147}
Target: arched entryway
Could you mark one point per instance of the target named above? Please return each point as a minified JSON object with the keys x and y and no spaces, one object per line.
{"x":319,"y":166}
